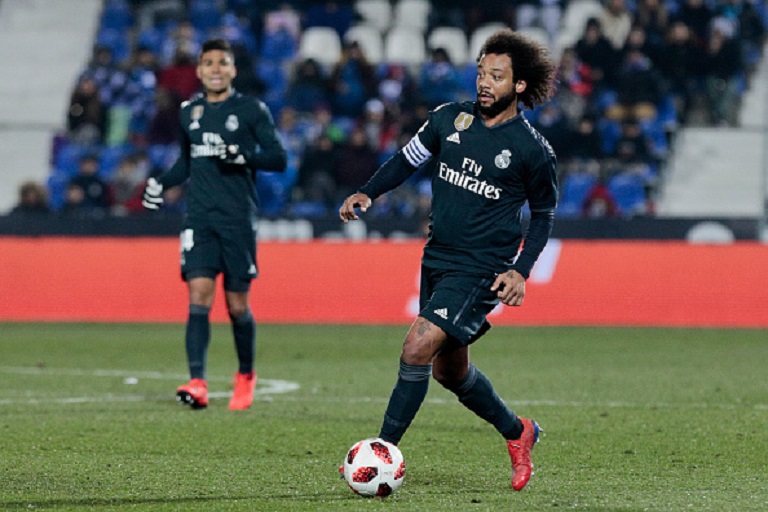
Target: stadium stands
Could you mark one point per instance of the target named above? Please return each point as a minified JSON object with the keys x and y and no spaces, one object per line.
{"x":397,"y":37}
{"x":413,"y":14}
{"x":404,"y":45}
{"x":322,"y":44}
{"x":375,"y":12}
{"x":369,"y":38}
{"x":454,"y":41}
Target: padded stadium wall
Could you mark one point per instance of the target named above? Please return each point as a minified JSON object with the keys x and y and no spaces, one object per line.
{"x":665,"y":283}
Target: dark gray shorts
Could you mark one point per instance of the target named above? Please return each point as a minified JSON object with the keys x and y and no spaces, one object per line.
{"x":211,"y":250}
{"x":457,"y":302}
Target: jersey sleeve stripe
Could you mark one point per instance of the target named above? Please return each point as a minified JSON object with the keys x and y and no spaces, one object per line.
{"x":415,"y":152}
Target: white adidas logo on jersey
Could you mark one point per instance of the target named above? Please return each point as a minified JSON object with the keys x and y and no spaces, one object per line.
{"x":454,"y":137}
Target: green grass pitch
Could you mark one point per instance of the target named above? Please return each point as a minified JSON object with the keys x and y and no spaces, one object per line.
{"x":634,"y":419}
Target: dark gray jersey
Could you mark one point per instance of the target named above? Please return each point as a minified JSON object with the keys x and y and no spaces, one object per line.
{"x":219,"y":192}
{"x":482,"y":177}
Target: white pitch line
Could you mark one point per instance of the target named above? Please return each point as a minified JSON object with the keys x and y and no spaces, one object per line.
{"x":260,"y":395}
{"x":266,"y":395}
{"x":265,"y":387}
{"x":76,"y":400}
{"x":550,"y":403}
{"x":76,"y":372}
{"x":268,"y":387}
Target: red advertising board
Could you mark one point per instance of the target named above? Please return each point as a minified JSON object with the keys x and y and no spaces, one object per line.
{"x":574,"y":283}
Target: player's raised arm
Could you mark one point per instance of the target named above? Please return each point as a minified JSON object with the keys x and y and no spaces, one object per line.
{"x":390,"y":175}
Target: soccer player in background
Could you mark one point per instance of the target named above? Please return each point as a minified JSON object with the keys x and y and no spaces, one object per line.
{"x":489,"y":162}
{"x":225,"y":138}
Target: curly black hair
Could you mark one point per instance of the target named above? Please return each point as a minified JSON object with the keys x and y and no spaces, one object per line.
{"x":531,"y":62}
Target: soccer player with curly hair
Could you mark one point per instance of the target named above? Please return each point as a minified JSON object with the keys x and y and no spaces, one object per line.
{"x":487,"y":162}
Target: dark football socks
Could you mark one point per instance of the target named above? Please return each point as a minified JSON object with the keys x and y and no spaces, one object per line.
{"x":476,"y":393}
{"x":405,"y":400}
{"x":197,"y":337}
{"x":244,"y":331}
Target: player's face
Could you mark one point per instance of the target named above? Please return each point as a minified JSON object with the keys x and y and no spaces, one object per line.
{"x":216,"y":70}
{"x":496,"y":88}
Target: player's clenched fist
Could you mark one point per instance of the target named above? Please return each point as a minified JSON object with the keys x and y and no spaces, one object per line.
{"x":153,"y":195}
{"x":232,"y":154}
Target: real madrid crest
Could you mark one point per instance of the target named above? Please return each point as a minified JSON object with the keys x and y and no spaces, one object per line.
{"x":462,"y":121}
{"x":502,"y":159}
{"x":232,"y":123}
{"x":196,"y":115}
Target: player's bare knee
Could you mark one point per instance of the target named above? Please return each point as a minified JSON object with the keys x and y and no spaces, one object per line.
{"x":201,"y":296}
{"x":415,"y":351}
{"x":237,"y":310}
{"x":198,"y":299}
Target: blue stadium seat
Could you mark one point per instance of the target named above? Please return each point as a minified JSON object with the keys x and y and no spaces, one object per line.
{"x":117,"y":15}
{"x":273,"y":194}
{"x":653,"y":130}
{"x":67,"y":160}
{"x":610,"y":131}
{"x":116,"y":40}
{"x":151,"y":38}
{"x":308,"y":209}
{"x":57,"y":184}
{"x":273,"y":75}
{"x":156,"y":156}
{"x":236,"y":32}
{"x":628,"y":190}
{"x":667,"y":113}
{"x":278,"y":46}
{"x":533,"y":115}
{"x":468,"y":74}
{"x":204,"y":15}
{"x":605,"y":98}
{"x":163,"y":156}
{"x":576,"y":187}
{"x":762,"y":10}
{"x":110,"y":158}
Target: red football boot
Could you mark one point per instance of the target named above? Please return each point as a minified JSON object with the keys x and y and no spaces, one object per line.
{"x":520,"y":453}
{"x":242,"y":398}
{"x":194,"y":394}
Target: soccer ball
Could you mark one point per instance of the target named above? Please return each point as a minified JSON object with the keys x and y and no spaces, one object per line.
{"x":374,"y":467}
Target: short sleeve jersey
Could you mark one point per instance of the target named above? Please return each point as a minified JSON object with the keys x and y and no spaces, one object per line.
{"x":219,"y":192}
{"x":481,"y":179}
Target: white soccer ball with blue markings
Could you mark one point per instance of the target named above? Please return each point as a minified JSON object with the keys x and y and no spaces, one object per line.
{"x":374,"y":467}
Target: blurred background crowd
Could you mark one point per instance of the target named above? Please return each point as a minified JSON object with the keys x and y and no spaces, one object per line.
{"x":349,"y":83}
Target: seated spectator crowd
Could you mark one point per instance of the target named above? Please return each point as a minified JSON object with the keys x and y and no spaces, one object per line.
{"x":635,"y":72}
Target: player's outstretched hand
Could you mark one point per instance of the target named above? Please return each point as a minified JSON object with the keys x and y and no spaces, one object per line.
{"x":510,"y":288}
{"x":153,"y":195}
{"x":358,"y":200}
